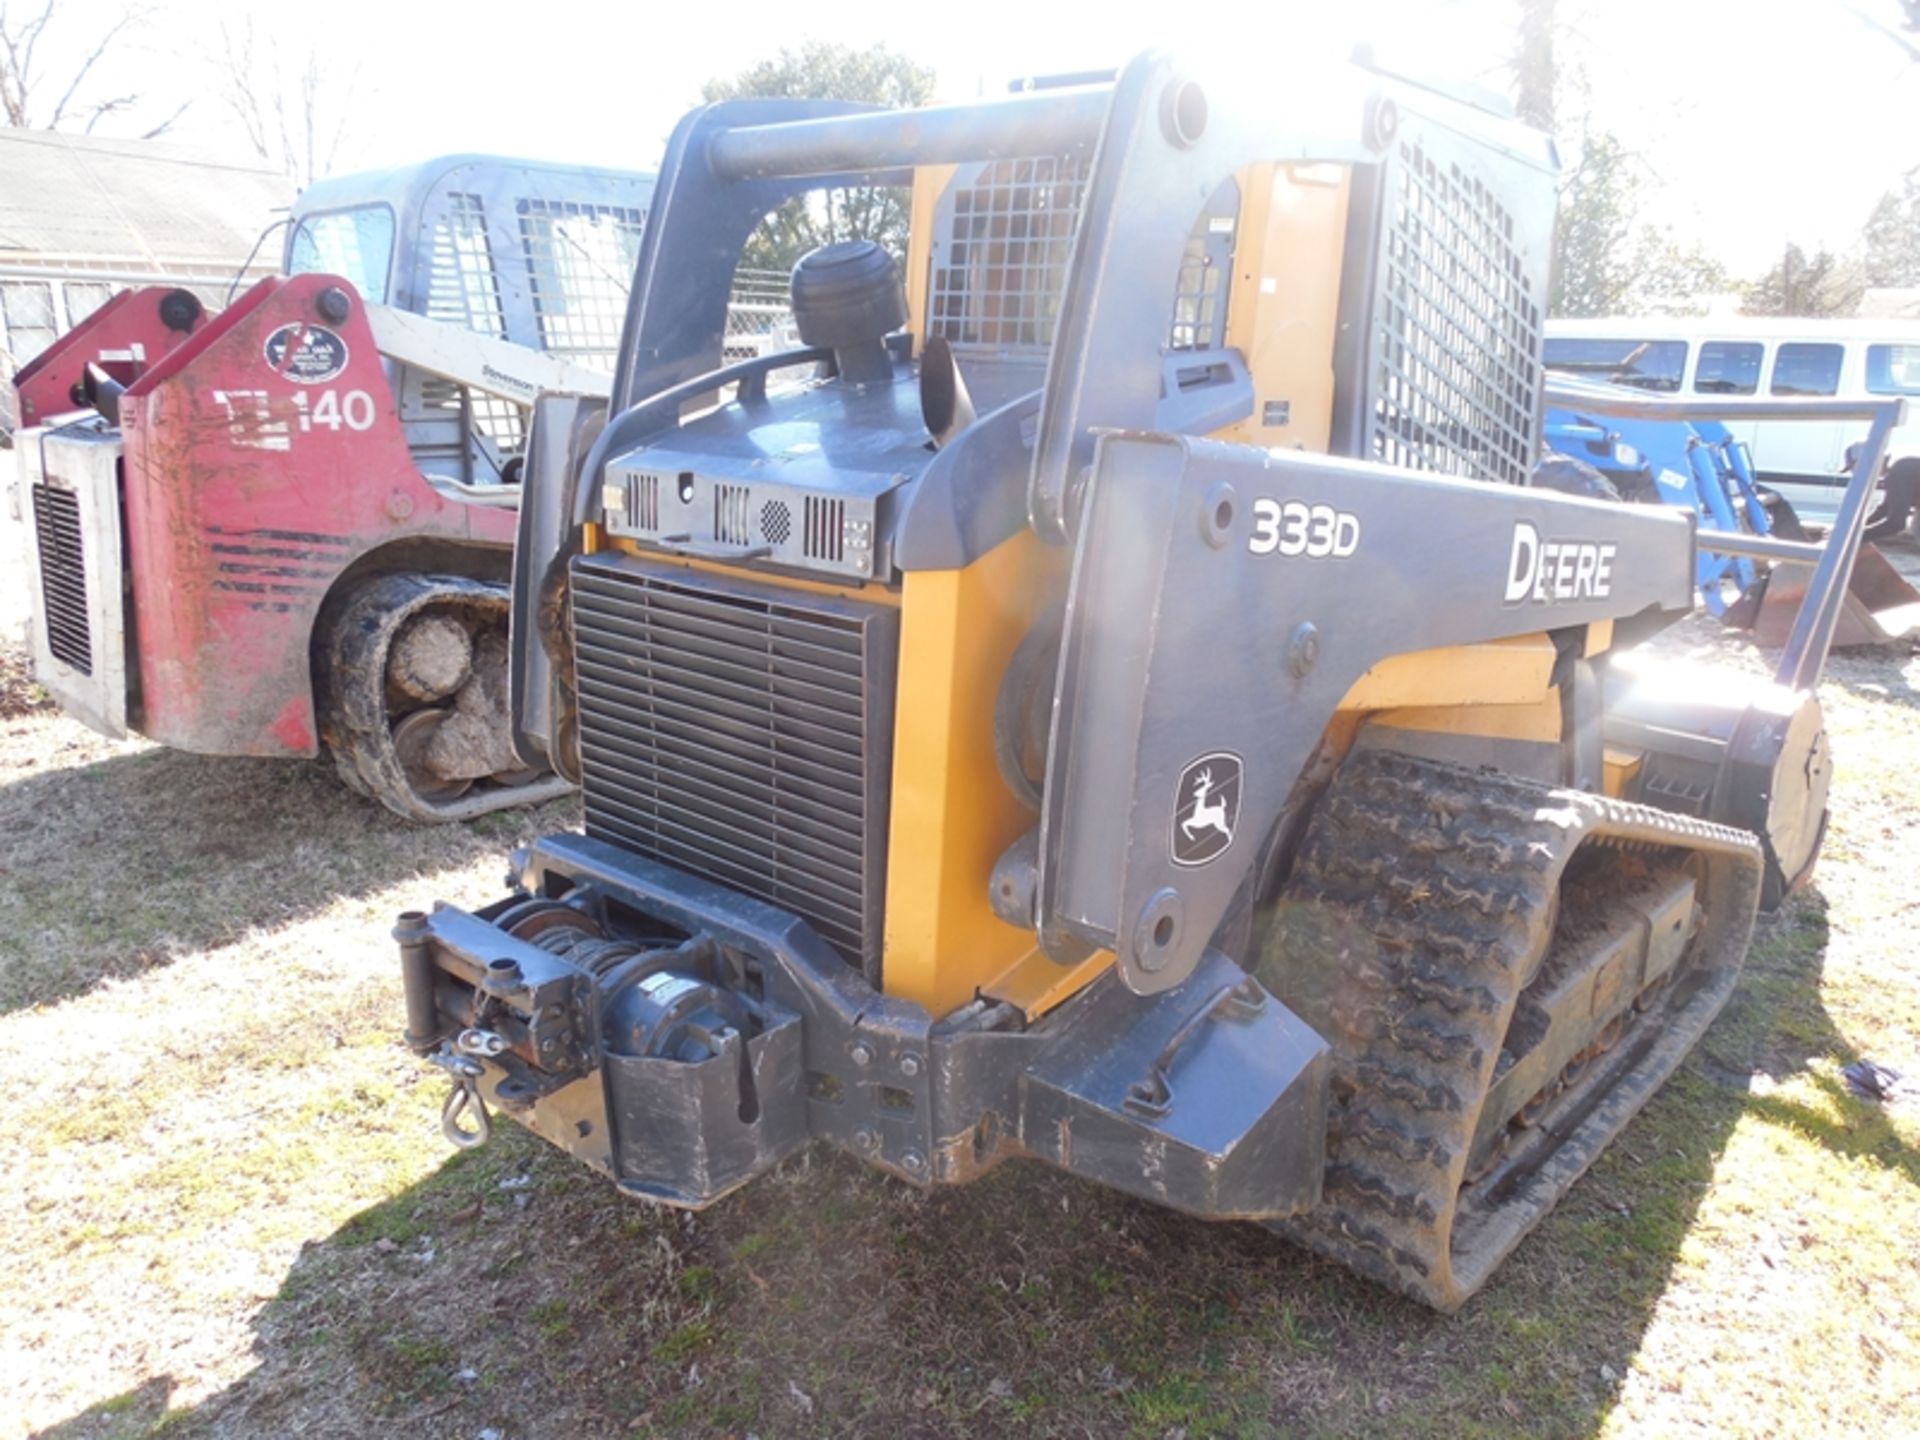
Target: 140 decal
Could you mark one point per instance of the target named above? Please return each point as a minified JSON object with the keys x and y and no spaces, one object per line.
{"x":257,"y":420}
{"x":331,"y":409}
{"x":1293,"y":527}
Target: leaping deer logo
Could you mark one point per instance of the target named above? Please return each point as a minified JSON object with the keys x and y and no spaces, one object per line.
{"x":1205,"y":816}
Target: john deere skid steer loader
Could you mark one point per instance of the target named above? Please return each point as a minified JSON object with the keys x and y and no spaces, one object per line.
{"x":1113,"y":695}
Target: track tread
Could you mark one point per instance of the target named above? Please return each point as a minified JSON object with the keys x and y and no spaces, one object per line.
{"x":1422,"y":899}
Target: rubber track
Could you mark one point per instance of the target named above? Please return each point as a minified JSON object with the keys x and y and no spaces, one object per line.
{"x":1418,"y":906}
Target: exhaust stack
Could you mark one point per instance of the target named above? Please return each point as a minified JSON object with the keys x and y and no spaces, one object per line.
{"x":944,"y":402}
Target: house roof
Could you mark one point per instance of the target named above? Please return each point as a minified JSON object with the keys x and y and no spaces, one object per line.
{"x":139,"y":203}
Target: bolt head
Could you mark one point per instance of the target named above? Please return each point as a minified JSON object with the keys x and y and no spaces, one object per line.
{"x":332,"y":304}
{"x":1303,"y":649}
{"x":861,"y":1054}
{"x":913,"y":1162}
{"x":909,"y":1065}
{"x":866,"y":1140}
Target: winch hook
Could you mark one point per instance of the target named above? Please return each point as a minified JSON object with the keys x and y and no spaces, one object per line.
{"x":465,"y":1097}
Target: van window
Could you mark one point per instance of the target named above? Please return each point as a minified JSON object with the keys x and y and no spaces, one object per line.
{"x":1806,"y":369}
{"x":1728,"y":367}
{"x":1893,"y":369}
{"x":1644,"y":364}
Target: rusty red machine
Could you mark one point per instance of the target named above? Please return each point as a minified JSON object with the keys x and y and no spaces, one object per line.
{"x":284,"y":530}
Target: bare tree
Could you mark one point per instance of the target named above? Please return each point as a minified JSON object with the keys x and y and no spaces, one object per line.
{"x":1535,"y":76}
{"x":25,"y":81}
{"x":1823,"y":284}
{"x":288,"y":112}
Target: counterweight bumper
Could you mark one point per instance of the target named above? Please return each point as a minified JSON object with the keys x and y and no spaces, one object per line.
{"x":682,"y":1039}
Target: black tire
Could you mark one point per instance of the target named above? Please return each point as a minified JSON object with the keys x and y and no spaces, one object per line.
{"x":1573,"y":477}
{"x":1899,"y":493}
{"x":1782,"y":519}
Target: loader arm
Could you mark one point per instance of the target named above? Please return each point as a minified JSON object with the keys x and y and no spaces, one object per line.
{"x":481,"y":362}
{"x":1270,"y":583}
{"x":1818,"y":619}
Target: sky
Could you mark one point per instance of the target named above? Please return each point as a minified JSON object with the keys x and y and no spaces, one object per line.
{"x":1757,"y":121}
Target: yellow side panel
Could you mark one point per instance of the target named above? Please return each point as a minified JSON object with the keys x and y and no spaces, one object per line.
{"x":1037,"y":982}
{"x":929,"y":182}
{"x":952,"y":815}
{"x":1515,"y":671}
{"x":1538,"y":721}
{"x":1284,"y":307}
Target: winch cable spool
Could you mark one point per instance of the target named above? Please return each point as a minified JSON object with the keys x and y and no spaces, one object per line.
{"x":677,"y":1005}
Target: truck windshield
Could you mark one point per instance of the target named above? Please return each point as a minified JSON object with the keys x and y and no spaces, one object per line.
{"x":355,"y":244}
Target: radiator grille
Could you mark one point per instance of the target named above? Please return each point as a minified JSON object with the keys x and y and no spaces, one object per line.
{"x":63,"y":576}
{"x":743,"y":734}
{"x":1460,"y":327}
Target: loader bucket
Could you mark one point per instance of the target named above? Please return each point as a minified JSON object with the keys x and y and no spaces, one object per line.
{"x":1881,"y":607}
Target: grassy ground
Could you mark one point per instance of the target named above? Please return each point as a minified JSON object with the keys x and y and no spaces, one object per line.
{"x":231,"y":1214}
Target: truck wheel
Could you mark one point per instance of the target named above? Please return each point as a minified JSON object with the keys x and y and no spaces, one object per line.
{"x":1572,"y":477}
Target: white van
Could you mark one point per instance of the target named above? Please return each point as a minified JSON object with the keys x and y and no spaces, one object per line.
{"x":1689,"y":357}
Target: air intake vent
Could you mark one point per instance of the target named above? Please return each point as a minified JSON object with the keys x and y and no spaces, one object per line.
{"x":731,"y":506}
{"x":63,"y":576}
{"x":742,"y":733}
{"x":826,"y":524}
{"x":643,"y":502}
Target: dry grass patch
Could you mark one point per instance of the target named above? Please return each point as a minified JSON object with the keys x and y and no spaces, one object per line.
{"x":233,"y":1214}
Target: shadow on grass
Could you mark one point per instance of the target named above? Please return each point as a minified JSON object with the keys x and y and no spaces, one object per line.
{"x":113,"y":867}
{"x":513,"y":1291}
{"x":132,"y":1412}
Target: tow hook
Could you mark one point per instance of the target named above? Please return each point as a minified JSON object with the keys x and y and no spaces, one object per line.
{"x":464,"y":1098}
